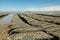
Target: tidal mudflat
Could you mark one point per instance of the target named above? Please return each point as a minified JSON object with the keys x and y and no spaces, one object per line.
{"x":34,"y":27}
{"x":24,"y":26}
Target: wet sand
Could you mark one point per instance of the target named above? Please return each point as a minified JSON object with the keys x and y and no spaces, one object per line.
{"x":31,"y":27}
{"x":4,"y":23}
{"x":3,"y":15}
{"x":4,"y":32}
{"x":34,"y":27}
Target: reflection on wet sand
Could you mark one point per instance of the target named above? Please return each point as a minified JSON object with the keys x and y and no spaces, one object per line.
{"x":6,"y":19}
{"x":4,"y":23}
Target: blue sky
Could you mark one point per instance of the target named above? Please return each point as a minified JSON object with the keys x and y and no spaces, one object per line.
{"x":17,"y":5}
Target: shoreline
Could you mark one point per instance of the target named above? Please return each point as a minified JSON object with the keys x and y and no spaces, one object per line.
{"x":3,"y":15}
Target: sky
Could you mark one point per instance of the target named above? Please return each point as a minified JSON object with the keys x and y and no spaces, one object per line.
{"x":29,"y":5}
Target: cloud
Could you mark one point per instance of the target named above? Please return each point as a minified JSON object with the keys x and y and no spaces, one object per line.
{"x":9,"y":9}
{"x":50,"y":8}
{"x":31,"y":9}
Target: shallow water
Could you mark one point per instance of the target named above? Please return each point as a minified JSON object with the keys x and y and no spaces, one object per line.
{"x":7,"y":19}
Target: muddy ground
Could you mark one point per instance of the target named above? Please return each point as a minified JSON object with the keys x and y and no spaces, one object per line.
{"x":31,"y":27}
{"x":3,"y":15}
{"x":34,"y":27}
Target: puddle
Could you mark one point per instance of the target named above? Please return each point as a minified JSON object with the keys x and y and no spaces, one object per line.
{"x":6,"y":19}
